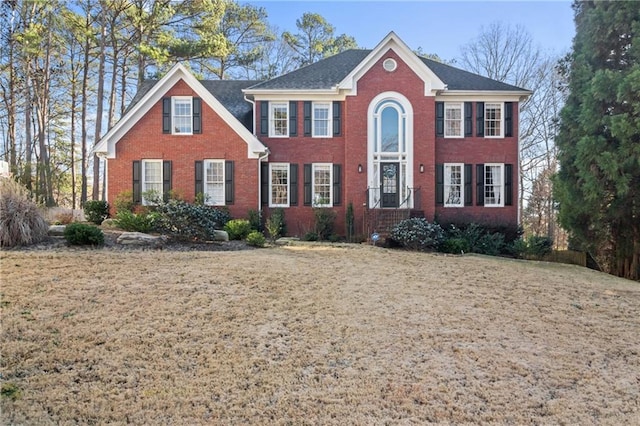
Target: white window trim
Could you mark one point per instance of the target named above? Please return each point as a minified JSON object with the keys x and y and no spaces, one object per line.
{"x":173,"y":109}
{"x":313,"y":184}
{"x":205,"y":182}
{"x":287,"y":167}
{"x":143,"y":183}
{"x":461,"y":165}
{"x":484,"y":188}
{"x":329,"y":119}
{"x":272,"y":128}
{"x":461,"y":106}
{"x":501,"y":135}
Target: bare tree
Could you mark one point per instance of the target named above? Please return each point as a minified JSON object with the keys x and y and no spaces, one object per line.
{"x":508,"y":54}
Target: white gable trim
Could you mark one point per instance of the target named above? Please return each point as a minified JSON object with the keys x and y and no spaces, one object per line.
{"x":431,"y":81}
{"x":107,"y":145}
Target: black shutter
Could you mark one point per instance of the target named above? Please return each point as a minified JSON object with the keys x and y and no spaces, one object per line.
{"x":480,"y":119}
{"x":264,"y":183}
{"x":293,"y":184}
{"x":199,"y":178}
{"x":480,"y":184}
{"x":197,"y":115}
{"x":166,"y":180}
{"x":137,"y":169}
{"x":439,"y":119}
{"x":468,"y":119}
{"x":337,"y":118}
{"x":166,"y":115}
{"x":468,"y":187}
{"x":508,"y":119}
{"x":293,"y":118}
{"x":439,"y":184}
{"x":307,"y":118}
{"x":264,"y":117}
{"x":508,"y":184}
{"x":307,"y":184}
{"x":337,"y":184}
{"x":229,"y":190}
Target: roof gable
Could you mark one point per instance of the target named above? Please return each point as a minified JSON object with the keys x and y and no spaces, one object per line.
{"x":152,"y":93}
{"x":431,"y":81}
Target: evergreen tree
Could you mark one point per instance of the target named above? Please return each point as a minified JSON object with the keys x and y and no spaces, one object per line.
{"x":598,"y":185}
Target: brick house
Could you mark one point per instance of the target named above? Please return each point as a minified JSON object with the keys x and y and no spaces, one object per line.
{"x":392,"y":133}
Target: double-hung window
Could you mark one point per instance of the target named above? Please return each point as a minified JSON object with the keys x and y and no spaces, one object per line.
{"x":321,"y":119}
{"x":493,"y":185}
{"x":278,"y":119}
{"x":454,"y":185}
{"x":279,"y":184}
{"x":453,"y":120}
{"x":322,"y":183}
{"x":182,"y":115}
{"x":151,"y":181}
{"x":214,"y":182}
{"x":493,"y":120}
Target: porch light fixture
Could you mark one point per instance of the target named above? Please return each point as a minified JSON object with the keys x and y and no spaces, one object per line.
{"x":359,"y":168}
{"x":421,"y":168}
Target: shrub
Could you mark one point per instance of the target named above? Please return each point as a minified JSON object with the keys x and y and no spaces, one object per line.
{"x":518,"y":248}
{"x":324,"y":222}
{"x":96,"y":211}
{"x":310,"y":236}
{"x":135,"y":222}
{"x":64,"y":218}
{"x":187,"y":221}
{"x":350,"y":223}
{"x":491,"y":244}
{"x":539,"y":246}
{"x":238,"y":229}
{"x":455,"y":246}
{"x":79,"y":234}
{"x":255,"y":219}
{"x":124,"y":201}
{"x":418,"y":234}
{"x":276,"y":226}
{"x":21,"y":223}
{"x":256,"y":239}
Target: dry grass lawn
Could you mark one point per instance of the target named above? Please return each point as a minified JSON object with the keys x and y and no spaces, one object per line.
{"x":313,"y":334}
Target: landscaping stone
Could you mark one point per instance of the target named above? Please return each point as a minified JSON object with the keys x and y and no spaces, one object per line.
{"x":142,"y":239}
{"x":57,"y":230}
{"x":220,"y":235}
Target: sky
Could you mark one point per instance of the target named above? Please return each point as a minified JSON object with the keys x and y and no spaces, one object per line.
{"x":438,"y":27}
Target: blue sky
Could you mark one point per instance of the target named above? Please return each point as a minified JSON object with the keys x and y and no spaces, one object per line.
{"x":439,"y":27}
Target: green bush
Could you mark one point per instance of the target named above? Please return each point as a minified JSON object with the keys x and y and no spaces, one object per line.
{"x":135,"y":222}
{"x":539,"y":246}
{"x":455,"y":246}
{"x":418,"y":234}
{"x":518,"y":248}
{"x":256,"y":239}
{"x":310,"y":236}
{"x":255,"y":219}
{"x":21,"y":223}
{"x":78,"y":234}
{"x":238,"y":229}
{"x":96,"y":211}
{"x":187,"y":221}
{"x":491,"y":244}
{"x":325,"y":219}
{"x":276,"y":226}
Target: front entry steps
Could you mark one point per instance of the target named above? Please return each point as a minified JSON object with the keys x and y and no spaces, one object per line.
{"x":382,"y":221}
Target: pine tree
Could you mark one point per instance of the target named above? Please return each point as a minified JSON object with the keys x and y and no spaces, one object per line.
{"x":598,"y":185}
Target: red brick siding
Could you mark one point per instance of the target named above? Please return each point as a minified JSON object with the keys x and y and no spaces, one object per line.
{"x":217,"y":141}
{"x":477,"y":150}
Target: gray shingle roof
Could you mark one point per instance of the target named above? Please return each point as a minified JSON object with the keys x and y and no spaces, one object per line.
{"x":329,"y":72}
{"x":227,"y":92}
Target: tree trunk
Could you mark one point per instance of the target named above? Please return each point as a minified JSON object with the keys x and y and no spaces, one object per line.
{"x":99,"y":109}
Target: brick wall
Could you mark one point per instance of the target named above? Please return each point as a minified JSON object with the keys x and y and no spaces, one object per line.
{"x":217,"y":141}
